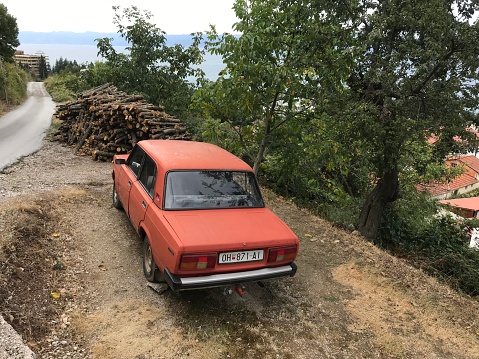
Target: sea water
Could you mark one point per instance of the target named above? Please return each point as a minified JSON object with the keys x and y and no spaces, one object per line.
{"x":211,"y":65}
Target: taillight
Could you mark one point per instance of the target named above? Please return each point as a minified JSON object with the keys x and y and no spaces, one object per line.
{"x":197,"y":261}
{"x":282,"y":254}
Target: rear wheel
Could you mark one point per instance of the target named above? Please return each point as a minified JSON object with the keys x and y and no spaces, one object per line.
{"x":116,"y":199}
{"x":150,"y":269}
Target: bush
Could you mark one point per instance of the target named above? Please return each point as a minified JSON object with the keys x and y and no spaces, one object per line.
{"x":436,"y":243}
{"x":61,"y":94}
{"x":13,"y":85}
{"x":218,"y":133}
{"x":64,"y":86}
{"x":307,"y":175}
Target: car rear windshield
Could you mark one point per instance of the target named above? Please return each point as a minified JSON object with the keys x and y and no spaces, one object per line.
{"x":211,"y":189}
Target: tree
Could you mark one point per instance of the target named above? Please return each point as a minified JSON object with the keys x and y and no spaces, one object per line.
{"x":149,"y":66}
{"x":8,"y":34}
{"x":43,"y":68}
{"x":288,"y":55}
{"x":415,"y":73}
{"x":62,"y":64}
{"x":378,"y":77}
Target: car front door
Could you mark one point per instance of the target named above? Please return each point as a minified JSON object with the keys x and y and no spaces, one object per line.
{"x":141,"y":194}
{"x":129,"y":175}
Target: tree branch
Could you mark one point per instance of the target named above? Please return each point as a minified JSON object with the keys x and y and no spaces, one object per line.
{"x":242,"y":141}
{"x":446,"y":57}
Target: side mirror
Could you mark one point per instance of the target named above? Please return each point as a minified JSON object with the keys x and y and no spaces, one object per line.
{"x":120,"y":161}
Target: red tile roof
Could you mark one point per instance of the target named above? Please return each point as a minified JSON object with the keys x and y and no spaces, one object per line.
{"x":466,"y":203}
{"x":433,"y":139}
{"x":471,"y":162}
{"x":471,"y":170}
{"x":436,"y":188}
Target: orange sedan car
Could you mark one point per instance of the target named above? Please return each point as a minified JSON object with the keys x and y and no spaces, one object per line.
{"x":199,"y":210}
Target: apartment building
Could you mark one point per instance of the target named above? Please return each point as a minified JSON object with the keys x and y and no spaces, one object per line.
{"x":32,"y":61}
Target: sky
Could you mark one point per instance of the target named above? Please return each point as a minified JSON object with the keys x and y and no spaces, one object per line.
{"x":171,"y":16}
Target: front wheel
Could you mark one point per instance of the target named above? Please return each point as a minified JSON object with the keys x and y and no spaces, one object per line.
{"x":150,"y":269}
{"x":116,"y":199}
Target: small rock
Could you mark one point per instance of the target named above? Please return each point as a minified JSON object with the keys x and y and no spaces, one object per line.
{"x":158,"y":287}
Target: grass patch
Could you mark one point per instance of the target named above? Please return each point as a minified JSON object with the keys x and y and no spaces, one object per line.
{"x":55,"y":125}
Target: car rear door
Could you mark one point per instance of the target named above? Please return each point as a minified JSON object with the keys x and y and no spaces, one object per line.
{"x":141,"y":194}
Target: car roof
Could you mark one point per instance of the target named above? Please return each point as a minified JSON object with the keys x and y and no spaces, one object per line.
{"x":179,"y":155}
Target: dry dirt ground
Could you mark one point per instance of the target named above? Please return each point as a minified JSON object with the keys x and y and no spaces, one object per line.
{"x":71,"y":284}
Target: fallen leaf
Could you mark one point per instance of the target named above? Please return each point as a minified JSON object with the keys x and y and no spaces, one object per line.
{"x":55,"y":295}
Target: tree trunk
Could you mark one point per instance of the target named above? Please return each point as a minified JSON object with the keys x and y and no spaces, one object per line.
{"x":259,"y":156}
{"x":263,"y":144}
{"x":386,"y":191}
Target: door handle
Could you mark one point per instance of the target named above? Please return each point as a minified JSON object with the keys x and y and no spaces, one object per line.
{"x":143,"y":204}
{"x":129,"y":183}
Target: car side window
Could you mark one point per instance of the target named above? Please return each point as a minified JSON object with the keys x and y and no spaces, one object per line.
{"x":148,"y":175}
{"x":135,"y":160}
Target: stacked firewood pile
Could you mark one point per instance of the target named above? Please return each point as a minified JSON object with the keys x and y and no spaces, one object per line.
{"x":103,"y":122}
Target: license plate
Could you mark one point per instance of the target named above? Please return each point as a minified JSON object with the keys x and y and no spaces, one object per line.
{"x":242,"y":256}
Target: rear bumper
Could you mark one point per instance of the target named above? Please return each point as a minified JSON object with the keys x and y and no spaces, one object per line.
{"x":217,"y":280}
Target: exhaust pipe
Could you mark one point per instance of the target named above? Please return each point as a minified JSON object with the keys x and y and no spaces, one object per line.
{"x":240,"y":289}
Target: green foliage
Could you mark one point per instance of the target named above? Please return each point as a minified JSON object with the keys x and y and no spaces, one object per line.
{"x":96,"y":74}
{"x":13,"y":84}
{"x":311,"y":166}
{"x":221,"y":134}
{"x":65,"y":86}
{"x":149,"y":67}
{"x":436,"y":243}
{"x":278,"y":69}
{"x":62,"y":64}
{"x":8,"y":35}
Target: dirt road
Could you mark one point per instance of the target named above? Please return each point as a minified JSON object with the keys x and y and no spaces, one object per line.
{"x":72,"y":285}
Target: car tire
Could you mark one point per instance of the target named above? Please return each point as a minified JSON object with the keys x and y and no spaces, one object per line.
{"x":150,"y":269}
{"x":116,"y":199}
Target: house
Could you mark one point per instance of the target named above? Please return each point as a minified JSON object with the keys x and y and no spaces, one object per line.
{"x":464,"y":207}
{"x":465,"y":182}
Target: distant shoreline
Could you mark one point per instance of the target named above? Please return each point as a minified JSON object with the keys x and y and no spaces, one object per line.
{"x":87,"y":38}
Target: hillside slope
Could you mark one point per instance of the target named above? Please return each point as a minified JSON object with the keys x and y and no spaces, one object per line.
{"x":72,"y":285}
